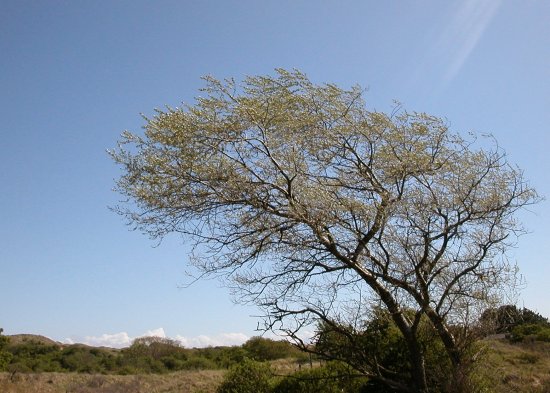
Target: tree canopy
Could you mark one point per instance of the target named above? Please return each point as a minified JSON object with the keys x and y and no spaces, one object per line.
{"x":316,"y":208}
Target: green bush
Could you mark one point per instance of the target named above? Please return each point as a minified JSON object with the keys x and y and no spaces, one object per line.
{"x":5,"y":356}
{"x":505,"y":318}
{"x":259,"y":348}
{"x":5,"y":359}
{"x":331,"y":378}
{"x":532,"y":332}
{"x":544,"y":335}
{"x":247,"y":377}
{"x":198,"y":363}
{"x":379,"y":344}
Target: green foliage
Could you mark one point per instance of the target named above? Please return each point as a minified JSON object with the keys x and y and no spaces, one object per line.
{"x":520,"y":324}
{"x":5,"y":356}
{"x":199,"y":363}
{"x":333,"y":377}
{"x":153,"y":355}
{"x":155,"y":347}
{"x":505,"y":318}
{"x":4,"y":341}
{"x":261,"y":349}
{"x":379,"y":349}
{"x":247,"y":377}
{"x":146,"y":355}
{"x":5,"y":359}
{"x":532,"y":332}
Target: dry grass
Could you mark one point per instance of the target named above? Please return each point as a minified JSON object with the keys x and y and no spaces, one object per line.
{"x":205,"y":381}
{"x":516,"y":368}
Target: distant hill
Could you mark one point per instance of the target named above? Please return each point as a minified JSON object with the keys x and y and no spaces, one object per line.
{"x":23,"y":338}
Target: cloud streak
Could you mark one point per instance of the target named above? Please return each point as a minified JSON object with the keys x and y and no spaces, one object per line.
{"x":463,"y":33}
{"x":448,"y":45}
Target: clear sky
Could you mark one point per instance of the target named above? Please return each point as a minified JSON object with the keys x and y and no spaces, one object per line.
{"x":75,"y":74}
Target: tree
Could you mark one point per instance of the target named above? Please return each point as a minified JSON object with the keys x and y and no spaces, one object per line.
{"x":316,"y":209}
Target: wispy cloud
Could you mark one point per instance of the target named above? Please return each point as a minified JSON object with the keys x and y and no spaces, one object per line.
{"x":123,"y":339}
{"x":448,"y":45}
{"x":464,"y":31}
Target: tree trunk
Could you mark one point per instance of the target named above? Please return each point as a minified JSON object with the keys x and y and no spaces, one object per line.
{"x":418,"y":371}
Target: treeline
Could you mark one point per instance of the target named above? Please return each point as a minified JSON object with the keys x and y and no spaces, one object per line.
{"x":145,"y":355}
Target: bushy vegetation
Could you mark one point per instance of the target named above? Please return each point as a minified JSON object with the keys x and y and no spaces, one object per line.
{"x":377,"y":349}
{"x":530,"y":332}
{"x":348,"y":356}
{"x":5,"y":356}
{"x":505,"y":319}
{"x":333,"y":377}
{"x":519,"y":324}
{"x":146,"y":355}
{"x":262,"y":349}
{"x":258,"y":377}
{"x":247,"y":377}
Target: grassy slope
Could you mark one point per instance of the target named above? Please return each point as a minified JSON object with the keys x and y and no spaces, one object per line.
{"x":517,"y":368}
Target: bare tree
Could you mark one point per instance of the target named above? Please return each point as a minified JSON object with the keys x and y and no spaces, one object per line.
{"x":316,"y":208}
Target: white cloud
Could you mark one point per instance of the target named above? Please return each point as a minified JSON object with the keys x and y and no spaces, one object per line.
{"x":123,"y":339}
{"x":116,"y":340}
{"x":222,"y":339}
{"x":154,"y":333}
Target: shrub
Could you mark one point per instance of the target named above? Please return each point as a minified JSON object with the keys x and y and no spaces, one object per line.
{"x":198,"y":363}
{"x":505,"y":318}
{"x":247,"y":377}
{"x":261,"y":349}
{"x":531,"y":332}
{"x":331,"y":378}
{"x":5,"y":359}
{"x":544,"y":335}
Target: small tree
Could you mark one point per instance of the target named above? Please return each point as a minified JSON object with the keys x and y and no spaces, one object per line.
{"x":317,"y":208}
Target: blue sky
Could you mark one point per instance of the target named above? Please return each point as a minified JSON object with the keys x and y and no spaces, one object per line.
{"x":75,"y":74}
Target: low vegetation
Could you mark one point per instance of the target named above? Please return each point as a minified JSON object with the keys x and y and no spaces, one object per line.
{"x":146,"y":355}
{"x":516,"y":360}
